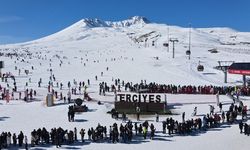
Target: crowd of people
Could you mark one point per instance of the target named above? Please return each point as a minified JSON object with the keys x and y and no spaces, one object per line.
{"x":153,"y":87}
{"x":8,"y":92}
{"x":7,"y":139}
{"x":185,"y":89}
{"x":127,"y":130}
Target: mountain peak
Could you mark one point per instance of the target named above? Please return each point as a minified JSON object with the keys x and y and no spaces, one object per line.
{"x":91,"y":23}
{"x":140,"y":19}
{"x":131,"y":21}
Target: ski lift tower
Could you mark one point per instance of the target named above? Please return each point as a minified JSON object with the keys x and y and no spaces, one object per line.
{"x":1,"y":66}
{"x":173,"y":40}
{"x":223,"y":66}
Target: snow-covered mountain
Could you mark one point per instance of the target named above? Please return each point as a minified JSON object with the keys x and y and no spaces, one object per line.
{"x":142,"y":41}
{"x":138,"y":26}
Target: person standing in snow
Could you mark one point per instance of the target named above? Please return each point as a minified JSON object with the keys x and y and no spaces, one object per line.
{"x":241,"y":126}
{"x":223,"y":116}
{"x":69,"y":115}
{"x":211,"y":109}
{"x":75,"y":133}
{"x":8,"y":139}
{"x":69,"y":96}
{"x":152,"y":133}
{"x":157,"y":117}
{"x":217,"y":98}
{"x":20,"y":139}
{"x":138,"y":113}
{"x":14,"y":139}
{"x":220,"y":106}
{"x":195,"y":111}
{"x":82,"y":133}
{"x":26,"y":142}
{"x":183,"y":117}
{"x":144,"y":130}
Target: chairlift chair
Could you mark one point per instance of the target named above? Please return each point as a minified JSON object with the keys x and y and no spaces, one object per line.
{"x":188,"y":52}
{"x":200,"y":67}
{"x":165,"y":44}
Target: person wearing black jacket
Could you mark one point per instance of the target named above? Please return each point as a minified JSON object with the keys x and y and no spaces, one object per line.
{"x":75,"y":134}
{"x":20,"y":139}
{"x":241,"y":126}
{"x":246,"y":129}
{"x":89,"y":134}
{"x":14,"y":139}
{"x":82,"y":133}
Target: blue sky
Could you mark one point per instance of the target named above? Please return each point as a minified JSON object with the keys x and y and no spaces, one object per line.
{"x":23,"y":20}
